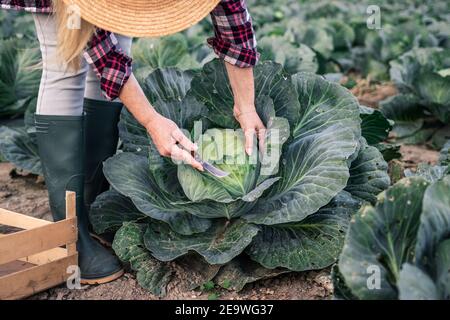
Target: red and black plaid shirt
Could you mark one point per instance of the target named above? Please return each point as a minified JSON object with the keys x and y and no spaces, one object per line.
{"x":234,"y":42}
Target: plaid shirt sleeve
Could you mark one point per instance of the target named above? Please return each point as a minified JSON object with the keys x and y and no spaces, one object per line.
{"x":234,"y":39}
{"x":110,"y":63}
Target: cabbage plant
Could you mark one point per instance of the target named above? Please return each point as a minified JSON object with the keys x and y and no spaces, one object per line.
{"x":400,"y":248}
{"x":421,"y":109}
{"x":20,"y":75}
{"x":425,"y":73}
{"x":285,"y":208}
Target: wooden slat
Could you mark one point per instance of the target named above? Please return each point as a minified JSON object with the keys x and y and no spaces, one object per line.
{"x":29,"y":242}
{"x":21,"y":221}
{"x":71,"y":213}
{"x":35,"y":279}
{"x":15,"y":266}
{"x":46,"y":256}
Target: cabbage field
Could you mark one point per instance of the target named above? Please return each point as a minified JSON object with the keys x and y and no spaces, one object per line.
{"x":341,"y":196}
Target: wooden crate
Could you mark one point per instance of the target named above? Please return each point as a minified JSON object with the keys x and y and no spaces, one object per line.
{"x":34,"y":259}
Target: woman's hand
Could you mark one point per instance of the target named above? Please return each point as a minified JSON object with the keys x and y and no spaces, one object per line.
{"x":252,"y":125}
{"x":243,"y":85}
{"x":168,"y":138}
{"x":171,"y":142}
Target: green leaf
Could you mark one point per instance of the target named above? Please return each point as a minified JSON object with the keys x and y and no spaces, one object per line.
{"x":198,"y":270}
{"x":110,"y":210}
{"x":241,"y":271}
{"x":341,"y":291}
{"x":419,"y":137}
{"x":443,"y":269}
{"x":323,"y":104}
{"x":128,"y":173}
{"x":132,"y":134}
{"x":440,"y":136}
{"x":225,"y":149}
{"x":17,"y":147}
{"x":408,"y":72}
{"x":184,"y":113}
{"x":368,"y":174}
{"x":381,"y":238}
{"x":314,"y":169}
{"x":389,"y":151}
{"x":170,"y":51}
{"x":316,"y":34}
{"x":311,"y":244}
{"x":211,"y":87}
{"x":208,"y":286}
{"x":167,"y":84}
{"x":428,"y":172}
{"x":414,"y":284}
{"x":218,"y":245}
{"x":292,"y":57}
{"x":374,"y":127}
{"x":20,"y":76}
{"x":406,"y":111}
{"x":129,"y":247}
{"x":434,"y":222}
{"x":435,"y":90}
{"x":444,"y":157}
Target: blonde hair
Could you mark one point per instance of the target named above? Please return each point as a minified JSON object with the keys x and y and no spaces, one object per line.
{"x":71,"y":42}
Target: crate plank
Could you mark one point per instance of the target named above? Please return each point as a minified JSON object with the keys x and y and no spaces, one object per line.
{"x":46,"y":256}
{"x":17,"y":220}
{"x":71,"y":213}
{"x":29,"y":242}
{"x":14,"y":266}
{"x":35,"y":279}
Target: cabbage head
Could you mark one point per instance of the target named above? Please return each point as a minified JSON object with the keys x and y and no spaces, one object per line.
{"x":284,"y":208}
{"x":425,"y":74}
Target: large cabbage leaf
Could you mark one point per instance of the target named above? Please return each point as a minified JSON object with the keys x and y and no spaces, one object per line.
{"x":218,"y":245}
{"x":381,"y":238}
{"x":423,"y":72}
{"x":315,"y":165}
{"x":18,"y":147}
{"x":400,"y":248}
{"x":20,"y":74}
{"x":313,"y":243}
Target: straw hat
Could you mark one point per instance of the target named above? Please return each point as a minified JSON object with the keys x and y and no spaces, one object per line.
{"x":144,"y":18}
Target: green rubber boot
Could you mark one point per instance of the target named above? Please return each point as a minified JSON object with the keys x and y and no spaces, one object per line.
{"x":61,"y":147}
{"x":102,"y":135}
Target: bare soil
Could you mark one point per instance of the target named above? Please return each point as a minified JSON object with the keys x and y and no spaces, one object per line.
{"x":412,"y":155}
{"x":370,"y":93}
{"x":27,"y":194}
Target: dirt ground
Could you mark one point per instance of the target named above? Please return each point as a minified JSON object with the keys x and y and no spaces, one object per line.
{"x":370,"y":93}
{"x":27,"y":194}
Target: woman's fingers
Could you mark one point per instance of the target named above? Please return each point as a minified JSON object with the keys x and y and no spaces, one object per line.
{"x":185,"y":156}
{"x":249,"y":134}
{"x":184,"y":141}
{"x":261,"y":138}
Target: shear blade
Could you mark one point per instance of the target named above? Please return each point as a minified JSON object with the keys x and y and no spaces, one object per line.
{"x":214,"y":171}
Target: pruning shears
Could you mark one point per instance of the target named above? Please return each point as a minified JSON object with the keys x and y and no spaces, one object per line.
{"x":210,"y":168}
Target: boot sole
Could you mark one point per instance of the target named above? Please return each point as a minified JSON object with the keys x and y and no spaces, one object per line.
{"x":102,"y":241}
{"x":103,"y":280}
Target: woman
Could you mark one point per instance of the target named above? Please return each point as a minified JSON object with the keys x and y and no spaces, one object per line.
{"x":77,"y":115}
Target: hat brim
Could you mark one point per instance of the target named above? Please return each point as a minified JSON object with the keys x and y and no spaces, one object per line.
{"x":144,"y":18}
